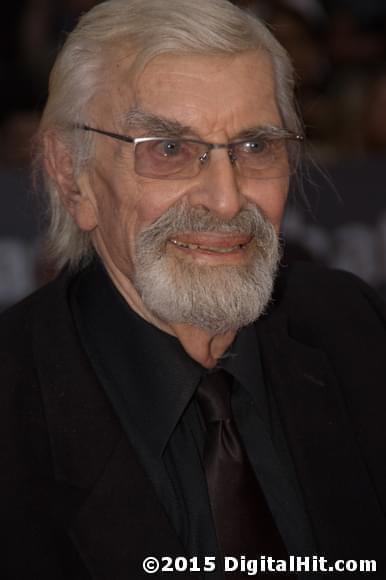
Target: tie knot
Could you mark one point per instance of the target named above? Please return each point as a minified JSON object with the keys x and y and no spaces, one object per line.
{"x":214,"y":396}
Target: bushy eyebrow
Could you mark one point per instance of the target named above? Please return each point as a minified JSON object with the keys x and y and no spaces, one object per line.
{"x":154,"y":124}
{"x":267,"y":131}
{"x":158,"y":126}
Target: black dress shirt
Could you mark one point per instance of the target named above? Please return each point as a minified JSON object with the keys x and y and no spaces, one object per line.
{"x":151,"y":382}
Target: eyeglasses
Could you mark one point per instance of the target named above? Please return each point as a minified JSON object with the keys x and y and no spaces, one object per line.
{"x":273,"y":154}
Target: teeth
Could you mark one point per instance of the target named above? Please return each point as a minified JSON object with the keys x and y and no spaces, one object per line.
{"x":207,"y":248}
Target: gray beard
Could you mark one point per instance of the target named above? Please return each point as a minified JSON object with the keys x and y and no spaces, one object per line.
{"x":217,"y":299}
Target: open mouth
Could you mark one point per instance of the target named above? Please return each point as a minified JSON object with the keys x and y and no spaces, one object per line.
{"x":212,"y":244}
{"x":208,"y":248}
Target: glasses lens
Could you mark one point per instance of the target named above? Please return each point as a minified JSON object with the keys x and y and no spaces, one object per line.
{"x":168,"y":158}
{"x":266,"y":158}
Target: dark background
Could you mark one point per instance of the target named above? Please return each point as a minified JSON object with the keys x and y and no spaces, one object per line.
{"x":339,"y":51}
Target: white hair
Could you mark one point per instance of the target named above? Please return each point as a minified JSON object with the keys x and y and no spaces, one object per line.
{"x":218,"y":299}
{"x":148,"y":28}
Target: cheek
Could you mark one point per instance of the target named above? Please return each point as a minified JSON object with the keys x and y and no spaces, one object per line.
{"x":116,"y":209}
{"x":140,"y":201}
{"x":155,"y":198}
{"x":129,"y":210}
{"x":270,"y":197}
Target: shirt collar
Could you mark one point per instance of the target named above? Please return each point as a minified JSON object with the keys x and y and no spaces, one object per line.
{"x":148,"y":367}
{"x":243,"y":362}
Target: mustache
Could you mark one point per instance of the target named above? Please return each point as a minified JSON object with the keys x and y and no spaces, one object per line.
{"x":181,"y":218}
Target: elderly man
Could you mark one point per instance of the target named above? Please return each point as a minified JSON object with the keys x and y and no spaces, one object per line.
{"x":157,"y":400}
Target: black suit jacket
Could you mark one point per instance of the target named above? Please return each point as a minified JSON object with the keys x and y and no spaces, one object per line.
{"x":75,"y":502}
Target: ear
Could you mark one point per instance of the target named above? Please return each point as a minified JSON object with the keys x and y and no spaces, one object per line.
{"x":75,"y":192}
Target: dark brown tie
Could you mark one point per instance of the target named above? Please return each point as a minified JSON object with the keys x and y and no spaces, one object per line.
{"x":243,"y":521}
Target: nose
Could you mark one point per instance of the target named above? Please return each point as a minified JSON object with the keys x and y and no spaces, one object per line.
{"x":217,"y":187}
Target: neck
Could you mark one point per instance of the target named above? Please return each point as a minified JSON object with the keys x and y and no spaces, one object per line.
{"x":200,"y":345}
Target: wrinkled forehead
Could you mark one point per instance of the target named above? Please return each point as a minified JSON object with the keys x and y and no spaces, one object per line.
{"x":188,"y":87}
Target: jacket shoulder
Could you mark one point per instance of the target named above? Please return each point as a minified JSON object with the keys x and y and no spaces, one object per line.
{"x":16,"y":321}
{"x":306,"y":277}
{"x":323,"y":296}
{"x":20,"y":327}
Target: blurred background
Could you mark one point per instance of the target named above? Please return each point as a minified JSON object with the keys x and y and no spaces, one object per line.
{"x":339,"y":51}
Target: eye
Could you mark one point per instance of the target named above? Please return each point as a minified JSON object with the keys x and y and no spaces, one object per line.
{"x":170,"y":148}
{"x":169,"y":152}
{"x":255,"y":146}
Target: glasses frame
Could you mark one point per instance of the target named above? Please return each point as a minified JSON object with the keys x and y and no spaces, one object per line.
{"x":277,"y":135}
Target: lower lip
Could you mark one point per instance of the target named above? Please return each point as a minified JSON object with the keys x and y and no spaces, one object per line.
{"x":238,"y":254}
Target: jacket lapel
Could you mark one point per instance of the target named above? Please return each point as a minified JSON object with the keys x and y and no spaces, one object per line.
{"x":122,"y":521}
{"x":338,"y":492}
{"x":113,"y":529}
{"x":112,"y":512}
